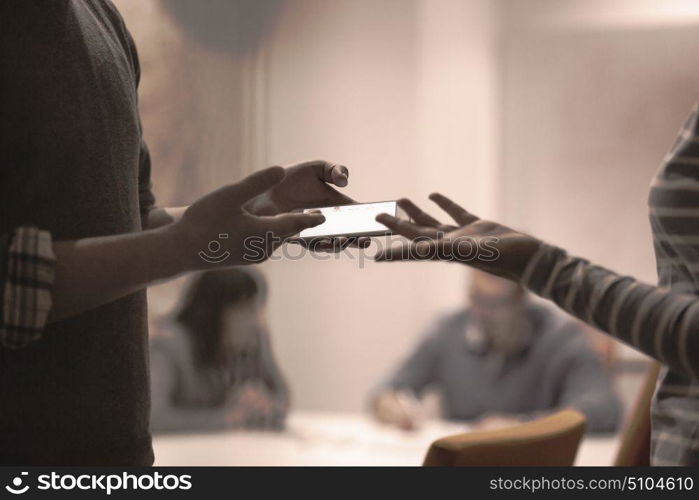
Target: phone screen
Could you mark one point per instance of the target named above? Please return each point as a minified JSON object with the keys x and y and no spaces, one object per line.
{"x":351,"y":220}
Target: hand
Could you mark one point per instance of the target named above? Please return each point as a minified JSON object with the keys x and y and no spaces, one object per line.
{"x":399,"y":409}
{"x":305,"y":185}
{"x":217,"y":230}
{"x":252,"y":401}
{"x":256,"y":398}
{"x":483,"y":244}
{"x":309,"y":185}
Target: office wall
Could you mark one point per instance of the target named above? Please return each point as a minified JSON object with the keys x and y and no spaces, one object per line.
{"x":402,"y":94}
{"x":593,"y":95}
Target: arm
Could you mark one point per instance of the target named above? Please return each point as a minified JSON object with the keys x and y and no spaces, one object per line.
{"x":656,"y":321}
{"x":76,"y":276}
{"x":417,"y":371}
{"x":396,"y":402}
{"x":398,"y":408}
{"x":93,"y":271}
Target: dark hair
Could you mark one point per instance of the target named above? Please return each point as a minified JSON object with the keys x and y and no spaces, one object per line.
{"x":233,"y":25}
{"x":208,"y":297}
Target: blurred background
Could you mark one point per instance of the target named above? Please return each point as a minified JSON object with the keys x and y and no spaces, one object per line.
{"x":551,"y":115}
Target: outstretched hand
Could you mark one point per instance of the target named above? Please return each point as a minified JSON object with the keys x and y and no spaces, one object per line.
{"x":483,"y":244}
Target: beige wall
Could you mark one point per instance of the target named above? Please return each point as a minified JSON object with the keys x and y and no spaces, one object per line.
{"x":402,"y":94}
{"x":594,"y":93}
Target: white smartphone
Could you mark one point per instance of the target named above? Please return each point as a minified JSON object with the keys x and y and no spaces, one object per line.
{"x":357,"y":219}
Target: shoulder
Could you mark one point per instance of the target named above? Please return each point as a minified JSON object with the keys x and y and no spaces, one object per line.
{"x":108,"y":12}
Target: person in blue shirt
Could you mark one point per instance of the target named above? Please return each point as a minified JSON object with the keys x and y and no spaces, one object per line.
{"x":501,"y":361}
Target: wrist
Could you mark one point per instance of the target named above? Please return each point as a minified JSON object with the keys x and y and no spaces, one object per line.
{"x":176,"y":248}
{"x":540,"y":265}
{"x":523,"y":258}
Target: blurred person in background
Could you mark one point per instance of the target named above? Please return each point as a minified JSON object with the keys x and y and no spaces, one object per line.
{"x":212,"y":365}
{"x":501,"y":361}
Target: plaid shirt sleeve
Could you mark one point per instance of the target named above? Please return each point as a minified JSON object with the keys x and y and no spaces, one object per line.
{"x":27,"y":270}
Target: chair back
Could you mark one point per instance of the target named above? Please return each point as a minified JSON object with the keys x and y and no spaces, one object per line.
{"x":548,"y":441}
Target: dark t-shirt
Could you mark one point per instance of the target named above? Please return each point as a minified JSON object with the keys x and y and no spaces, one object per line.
{"x":72,"y":161}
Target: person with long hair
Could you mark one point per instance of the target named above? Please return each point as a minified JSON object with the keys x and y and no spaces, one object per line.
{"x":212,"y":367}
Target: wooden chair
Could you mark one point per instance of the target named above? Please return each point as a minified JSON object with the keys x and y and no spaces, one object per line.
{"x":548,"y":441}
{"x":634,"y":450}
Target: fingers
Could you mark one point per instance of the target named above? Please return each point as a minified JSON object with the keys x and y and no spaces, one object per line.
{"x":254,"y":184}
{"x":285,"y":225}
{"x":461,"y":216}
{"x":417,"y":214}
{"x":329,"y":172}
{"x":406,"y":228}
{"x":331,"y":175}
{"x":334,"y":174}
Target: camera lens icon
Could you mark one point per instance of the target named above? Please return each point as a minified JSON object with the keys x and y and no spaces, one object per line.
{"x":215,"y":255}
{"x":16,"y":487}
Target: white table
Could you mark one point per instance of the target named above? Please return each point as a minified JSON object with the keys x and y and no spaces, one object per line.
{"x":322,"y":438}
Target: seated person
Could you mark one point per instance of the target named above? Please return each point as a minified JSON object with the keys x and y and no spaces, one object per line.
{"x":212,"y":366}
{"x":499,"y":362}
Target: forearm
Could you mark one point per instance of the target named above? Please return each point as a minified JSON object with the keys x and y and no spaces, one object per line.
{"x":661,"y":323}
{"x":397,"y":407}
{"x":94,"y":271}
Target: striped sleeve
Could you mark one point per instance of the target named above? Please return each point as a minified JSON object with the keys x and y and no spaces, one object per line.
{"x":660,"y":323}
{"x":27,"y":270}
